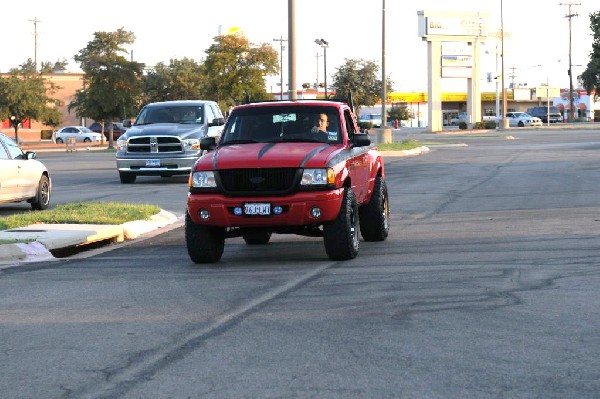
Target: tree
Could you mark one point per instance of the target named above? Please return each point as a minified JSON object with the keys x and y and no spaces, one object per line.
{"x":401,"y":113}
{"x":591,"y":76}
{"x":359,"y":77}
{"x":57,"y":67}
{"x":25,"y":95}
{"x":112,"y":82}
{"x":180,"y":80}
{"x":235,"y":69}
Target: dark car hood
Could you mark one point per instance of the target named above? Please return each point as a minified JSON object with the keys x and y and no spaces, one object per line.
{"x":269,"y":155}
{"x":166,"y":129}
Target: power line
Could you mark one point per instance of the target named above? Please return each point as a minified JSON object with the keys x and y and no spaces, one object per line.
{"x":570,"y":15}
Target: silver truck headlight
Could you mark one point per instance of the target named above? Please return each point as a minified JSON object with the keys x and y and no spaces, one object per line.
{"x":316,"y":177}
{"x":204,"y":179}
{"x":191,"y":144}
{"x":121,"y":144}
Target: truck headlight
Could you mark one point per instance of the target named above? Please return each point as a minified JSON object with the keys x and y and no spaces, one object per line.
{"x":203,"y":179}
{"x":316,"y":177}
{"x":191,"y":144}
{"x":121,"y":144}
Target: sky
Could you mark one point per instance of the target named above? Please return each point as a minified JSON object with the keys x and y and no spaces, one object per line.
{"x":536,"y":51}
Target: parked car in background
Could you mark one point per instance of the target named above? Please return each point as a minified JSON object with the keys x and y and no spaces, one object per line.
{"x":521,"y":119}
{"x":118,"y":129}
{"x":542,"y":113}
{"x":23,"y":178}
{"x":373,"y":119}
{"x":81,"y":134}
{"x":464,"y":117}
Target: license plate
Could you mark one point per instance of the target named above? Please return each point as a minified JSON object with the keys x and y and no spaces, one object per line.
{"x":152,"y":163}
{"x":257,"y":208}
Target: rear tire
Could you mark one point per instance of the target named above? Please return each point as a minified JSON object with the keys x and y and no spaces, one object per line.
{"x":205,"y":244}
{"x":42,"y":198}
{"x":127,"y":178}
{"x":257,"y":238}
{"x":340,"y":236}
{"x":375,"y":215}
{"x":59,"y":141}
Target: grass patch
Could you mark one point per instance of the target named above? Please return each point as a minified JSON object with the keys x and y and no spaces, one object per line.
{"x":82,"y":213}
{"x":408,"y":144}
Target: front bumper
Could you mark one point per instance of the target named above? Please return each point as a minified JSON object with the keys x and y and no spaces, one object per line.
{"x":149,"y":166}
{"x":297,"y":209}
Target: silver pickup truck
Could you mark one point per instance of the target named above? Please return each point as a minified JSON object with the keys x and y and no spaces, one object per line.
{"x":165,"y":138}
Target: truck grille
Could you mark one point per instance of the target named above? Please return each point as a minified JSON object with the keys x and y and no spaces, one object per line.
{"x":259,"y":181}
{"x":154,"y":144}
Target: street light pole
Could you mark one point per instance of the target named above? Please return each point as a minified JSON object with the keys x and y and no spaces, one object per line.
{"x":281,"y":40}
{"x":324,"y":44}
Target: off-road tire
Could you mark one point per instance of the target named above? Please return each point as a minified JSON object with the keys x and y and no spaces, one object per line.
{"x":341,"y":236}
{"x":375,"y":215}
{"x":205,"y":244}
{"x":42,"y":197}
{"x":127,"y":178}
{"x":257,"y":238}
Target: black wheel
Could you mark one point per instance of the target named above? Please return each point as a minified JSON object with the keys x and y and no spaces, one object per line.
{"x":521,"y":124}
{"x":205,"y":244}
{"x":127,"y":178}
{"x":257,"y":238}
{"x":59,"y":141}
{"x":87,"y":140}
{"x":42,"y":198}
{"x":340,"y":236}
{"x":375,"y":215}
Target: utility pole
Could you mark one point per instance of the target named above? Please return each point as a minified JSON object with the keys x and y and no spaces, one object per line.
{"x":282,"y":47}
{"x":570,"y":15}
{"x":383,"y":77}
{"x":35,"y":35}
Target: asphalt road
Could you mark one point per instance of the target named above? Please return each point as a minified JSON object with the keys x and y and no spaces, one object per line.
{"x":488,"y":287}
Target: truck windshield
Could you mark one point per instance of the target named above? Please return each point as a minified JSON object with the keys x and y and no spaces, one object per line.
{"x":272,"y":124}
{"x":171,"y":114}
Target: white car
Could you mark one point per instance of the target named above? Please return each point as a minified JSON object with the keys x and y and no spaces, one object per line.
{"x":373,"y":119}
{"x":81,"y":134}
{"x":521,"y":119}
{"x":23,"y":178}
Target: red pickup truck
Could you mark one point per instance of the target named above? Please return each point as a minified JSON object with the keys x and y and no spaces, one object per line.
{"x":287,"y":167}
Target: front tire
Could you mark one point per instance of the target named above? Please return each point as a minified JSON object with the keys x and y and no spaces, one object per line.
{"x":521,"y":124}
{"x":340,"y":236}
{"x":205,"y":244}
{"x":42,"y":198}
{"x":375,"y":215}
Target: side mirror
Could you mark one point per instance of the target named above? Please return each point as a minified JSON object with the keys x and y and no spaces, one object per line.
{"x":30,"y":155}
{"x":207,"y":143}
{"x":361,"y":139}
{"x":127,"y":123}
{"x":217,"y":122}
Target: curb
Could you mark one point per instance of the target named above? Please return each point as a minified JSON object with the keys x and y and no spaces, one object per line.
{"x":47,"y":237}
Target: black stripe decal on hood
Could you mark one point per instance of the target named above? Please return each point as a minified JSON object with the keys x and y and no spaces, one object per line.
{"x":263,"y":150}
{"x":312,"y":154}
